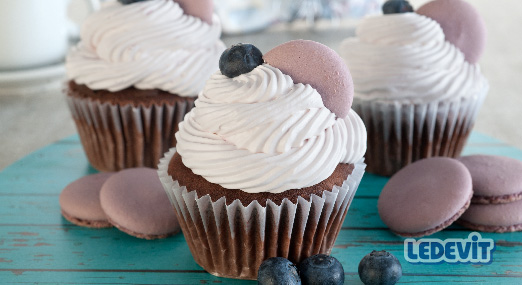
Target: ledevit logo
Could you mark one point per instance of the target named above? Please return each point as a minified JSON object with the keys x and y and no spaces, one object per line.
{"x":474,"y":249}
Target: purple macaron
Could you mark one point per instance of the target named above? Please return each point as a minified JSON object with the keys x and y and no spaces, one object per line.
{"x":497,"y":199}
{"x":496,"y":179}
{"x":498,"y":218}
{"x":462,"y":25}
{"x":310,"y":62}
{"x":425,"y":196}
{"x":202,"y":9}
{"x":136,"y":203}
{"x":80,"y":201}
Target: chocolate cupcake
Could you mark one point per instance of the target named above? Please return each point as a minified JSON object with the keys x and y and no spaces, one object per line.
{"x":135,"y":74}
{"x":268,"y":161}
{"x":418,"y":87}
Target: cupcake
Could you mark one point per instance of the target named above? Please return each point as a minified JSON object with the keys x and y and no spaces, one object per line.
{"x":268,"y":161}
{"x":418,"y":87}
{"x":134,"y":75}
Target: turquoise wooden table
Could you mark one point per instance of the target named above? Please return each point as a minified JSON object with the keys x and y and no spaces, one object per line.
{"x":38,"y":246}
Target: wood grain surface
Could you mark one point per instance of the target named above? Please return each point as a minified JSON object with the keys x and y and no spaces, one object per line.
{"x":38,"y":246}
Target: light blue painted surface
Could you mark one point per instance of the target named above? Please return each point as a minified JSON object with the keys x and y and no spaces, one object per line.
{"x":38,"y":245}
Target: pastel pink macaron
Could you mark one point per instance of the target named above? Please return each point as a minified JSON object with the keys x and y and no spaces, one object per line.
{"x":496,"y":179}
{"x":462,"y":25}
{"x":80,"y":201}
{"x":136,"y":203}
{"x":499,"y":218}
{"x":202,"y":9}
{"x":310,"y":62}
{"x":425,"y":196}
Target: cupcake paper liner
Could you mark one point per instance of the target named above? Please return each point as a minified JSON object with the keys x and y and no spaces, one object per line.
{"x":233,"y":240}
{"x":399,"y":134}
{"x":116,"y":137}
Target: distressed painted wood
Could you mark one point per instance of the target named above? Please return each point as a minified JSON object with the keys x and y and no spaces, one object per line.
{"x":38,"y":245}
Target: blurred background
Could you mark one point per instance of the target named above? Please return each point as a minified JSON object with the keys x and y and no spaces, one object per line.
{"x":33,"y":111}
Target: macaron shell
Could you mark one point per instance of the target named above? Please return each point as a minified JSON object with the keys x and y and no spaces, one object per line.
{"x":202,"y":9}
{"x":462,"y":25}
{"x":425,"y":196}
{"x":136,"y":203}
{"x":496,"y":179}
{"x":310,"y":62}
{"x":80,"y":201}
{"x":494,"y":218}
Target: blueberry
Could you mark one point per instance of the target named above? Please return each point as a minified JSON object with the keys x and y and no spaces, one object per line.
{"x":380,"y":267}
{"x":321,"y":269}
{"x":277,"y":270}
{"x":240,"y":59}
{"x":396,"y":7}
{"x":127,"y":2}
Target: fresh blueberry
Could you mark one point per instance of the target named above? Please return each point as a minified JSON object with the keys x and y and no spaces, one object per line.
{"x":127,"y":2}
{"x":380,"y":267}
{"x":321,"y":269}
{"x":240,"y":59}
{"x":278,"y":270}
{"x":396,"y":7}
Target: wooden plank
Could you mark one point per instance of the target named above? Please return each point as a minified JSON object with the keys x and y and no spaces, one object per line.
{"x":122,"y":277}
{"x":371,"y":185}
{"x":504,"y":150}
{"x":41,"y":209}
{"x":72,"y":247}
{"x":167,"y":277}
{"x":351,"y":246}
{"x":76,"y":248}
{"x":38,"y":245}
{"x":67,"y":156}
{"x":47,"y":170}
{"x":482,"y":139}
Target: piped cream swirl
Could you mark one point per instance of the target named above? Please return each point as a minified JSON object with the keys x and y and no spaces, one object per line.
{"x":148,"y":45}
{"x":405,"y":57}
{"x":260,"y":132}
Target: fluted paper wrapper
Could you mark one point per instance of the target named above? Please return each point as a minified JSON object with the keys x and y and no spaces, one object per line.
{"x":116,"y":137}
{"x":232,"y":240}
{"x":399,"y":134}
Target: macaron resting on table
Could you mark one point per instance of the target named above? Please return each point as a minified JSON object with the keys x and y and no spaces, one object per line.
{"x":496,"y":203}
{"x":425,"y":197}
{"x":499,"y":218}
{"x":135,"y":202}
{"x":80,"y":201}
{"x":496,"y":179}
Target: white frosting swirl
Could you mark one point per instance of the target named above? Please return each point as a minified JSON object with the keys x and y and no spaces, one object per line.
{"x":148,"y":45}
{"x":405,"y":57}
{"x":260,"y":132}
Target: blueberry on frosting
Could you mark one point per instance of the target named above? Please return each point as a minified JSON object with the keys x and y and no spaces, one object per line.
{"x":396,"y":7}
{"x":240,"y":59}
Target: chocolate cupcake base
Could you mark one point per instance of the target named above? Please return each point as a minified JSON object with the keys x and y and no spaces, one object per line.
{"x":128,"y":128}
{"x":399,"y":134}
{"x":229,"y":239}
